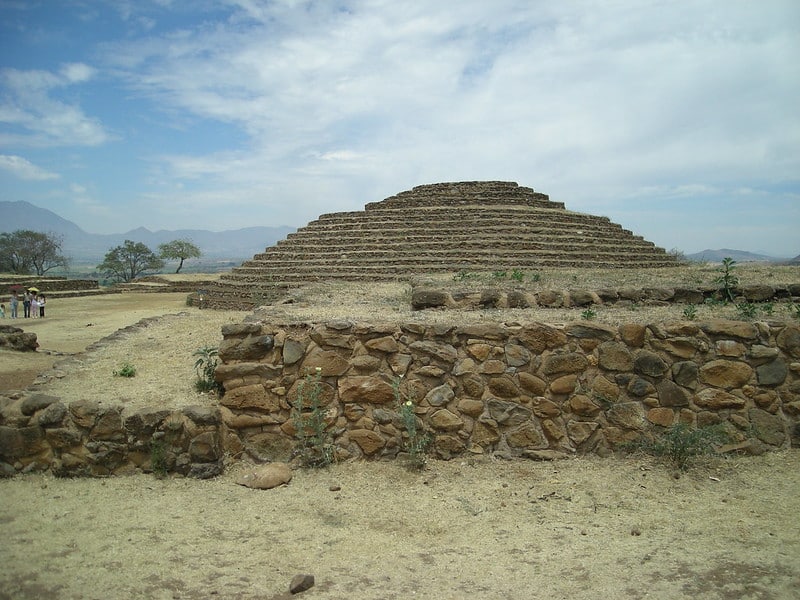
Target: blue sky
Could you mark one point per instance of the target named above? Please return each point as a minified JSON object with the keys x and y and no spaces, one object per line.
{"x":680,"y":120}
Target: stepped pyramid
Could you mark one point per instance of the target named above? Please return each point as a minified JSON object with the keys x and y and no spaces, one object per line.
{"x":443,"y":227}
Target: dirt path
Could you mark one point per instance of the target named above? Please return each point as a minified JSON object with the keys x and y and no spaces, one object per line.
{"x":587,"y":528}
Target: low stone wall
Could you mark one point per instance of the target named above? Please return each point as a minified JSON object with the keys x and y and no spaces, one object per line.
{"x":46,"y":285}
{"x":85,"y":438}
{"x":510,"y":390}
{"x":427,"y":296}
{"x":515,"y":390}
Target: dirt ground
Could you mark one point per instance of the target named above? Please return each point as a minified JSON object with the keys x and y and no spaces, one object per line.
{"x":581,"y":528}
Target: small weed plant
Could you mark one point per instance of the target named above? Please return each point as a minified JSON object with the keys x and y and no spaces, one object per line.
{"x":794,"y":310}
{"x":589,"y":314}
{"x":517,"y":275}
{"x":500,"y":274}
{"x":205,"y":366}
{"x":417,"y":440}
{"x":464,"y":276}
{"x":727,"y":279}
{"x":690,"y":312}
{"x":746,"y":310}
{"x":314,"y":446}
{"x":158,"y":458}
{"x":125,"y":370}
{"x":679,"y":444}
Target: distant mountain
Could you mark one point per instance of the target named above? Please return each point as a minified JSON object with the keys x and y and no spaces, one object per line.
{"x":80,"y":246}
{"x":737,"y":255}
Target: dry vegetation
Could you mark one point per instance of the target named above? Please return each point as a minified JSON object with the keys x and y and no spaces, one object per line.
{"x":583,"y":528}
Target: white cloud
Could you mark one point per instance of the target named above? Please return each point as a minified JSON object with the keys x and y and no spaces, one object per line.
{"x":24,"y":169}
{"x":29,"y":104}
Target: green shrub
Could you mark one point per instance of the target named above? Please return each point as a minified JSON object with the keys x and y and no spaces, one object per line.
{"x":158,"y":458}
{"x":125,"y":370}
{"x":416,"y":441}
{"x":690,"y":312}
{"x":205,"y":366}
{"x":727,"y":279}
{"x":517,"y":275}
{"x":746,"y":310}
{"x":589,"y":314}
{"x":679,"y":444}
{"x":314,"y":447}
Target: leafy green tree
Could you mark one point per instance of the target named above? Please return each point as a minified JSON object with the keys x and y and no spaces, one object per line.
{"x":128,"y":261}
{"x":178,"y":250}
{"x":24,"y":251}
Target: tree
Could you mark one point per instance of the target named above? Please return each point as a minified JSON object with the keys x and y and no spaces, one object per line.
{"x":23,"y":251}
{"x":179,"y":249}
{"x":127,"y":262}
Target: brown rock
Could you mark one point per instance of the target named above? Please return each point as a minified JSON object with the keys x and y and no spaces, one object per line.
{"x":444,"y":420}
{"x":517,"y":356}
{"x":632,"y":334}
{"x":464,"y":366}
{"x":580,"y":431}
{"x":365,"y":363}
{"x":716,"y":399}
{"x":365,"y":389}
{"x":441,"y":351}
{"x":545,"y":409}
{"x":550,"y":298}
{"x":84,"y":412}
{"x":503,"y":386}
{"x":426,"y":298}
{"x":301,"y":583}
{"x":788,"y":340}
{"x":383,"y":344}
{"x":329,"y":361}
{"x":479,"y":351}
{"x":614,"y":356}
{"x":726,"y":374}
{"x":247,"y":349}
{"x":650,"y":364}
{"x":528,"y":435}
{"x":293,"y":351}
{"x":628,"y":415}
{"x":440,"y":396}
{"x":492,"y":367}
{"x":485,"y":434}
{"x":605,"y":388}
{"x":538,"y":337}
{"x":737,"y":329}
{"x":251,"y":397}
{"x":671,"y":394}
{"x":564,"y":385}
{"x":508,"y":414}
{"x":661,"y":416}
{"x":595,"y":331}
{"x":205,"y":447}
{"x":532,"y":384}
{"x":570,"y":362}
{"x":369,"y":441}
{"x":471,"y":408}
{"x":265,"y":477}
{"x":473,"y":385}
{"x":770,"y":429}
{"x":582,"y":405}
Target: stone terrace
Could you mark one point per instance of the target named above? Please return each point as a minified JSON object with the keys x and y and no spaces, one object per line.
{"x":444,"y":227}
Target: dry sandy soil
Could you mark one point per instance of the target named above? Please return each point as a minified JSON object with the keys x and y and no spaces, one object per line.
{"x":584,"y":528}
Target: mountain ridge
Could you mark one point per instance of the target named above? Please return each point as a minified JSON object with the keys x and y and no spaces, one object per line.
{"x":82,"y":246}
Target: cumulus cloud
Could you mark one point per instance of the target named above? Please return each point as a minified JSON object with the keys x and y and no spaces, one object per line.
{"x":30,"y":105}
{"x":24,"y":169}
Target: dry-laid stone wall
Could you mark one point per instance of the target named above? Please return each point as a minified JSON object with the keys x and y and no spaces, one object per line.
{"x":87,"y":438}
{"x":526,"y":390}
{"x":513,"y":390}
{"x":429,"y":296}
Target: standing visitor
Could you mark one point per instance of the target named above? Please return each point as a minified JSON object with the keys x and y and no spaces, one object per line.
{"x":14,"y":304}
{"x":42,"y":302}
{"x":2,"y":311}
{"x":26,"y":304}
{"x":34,"y":306}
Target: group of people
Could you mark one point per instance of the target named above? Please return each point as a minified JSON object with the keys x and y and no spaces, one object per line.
{"x":33,"y":305}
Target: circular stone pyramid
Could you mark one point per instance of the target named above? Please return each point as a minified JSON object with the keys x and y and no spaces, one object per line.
{"x":443,"y":227}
